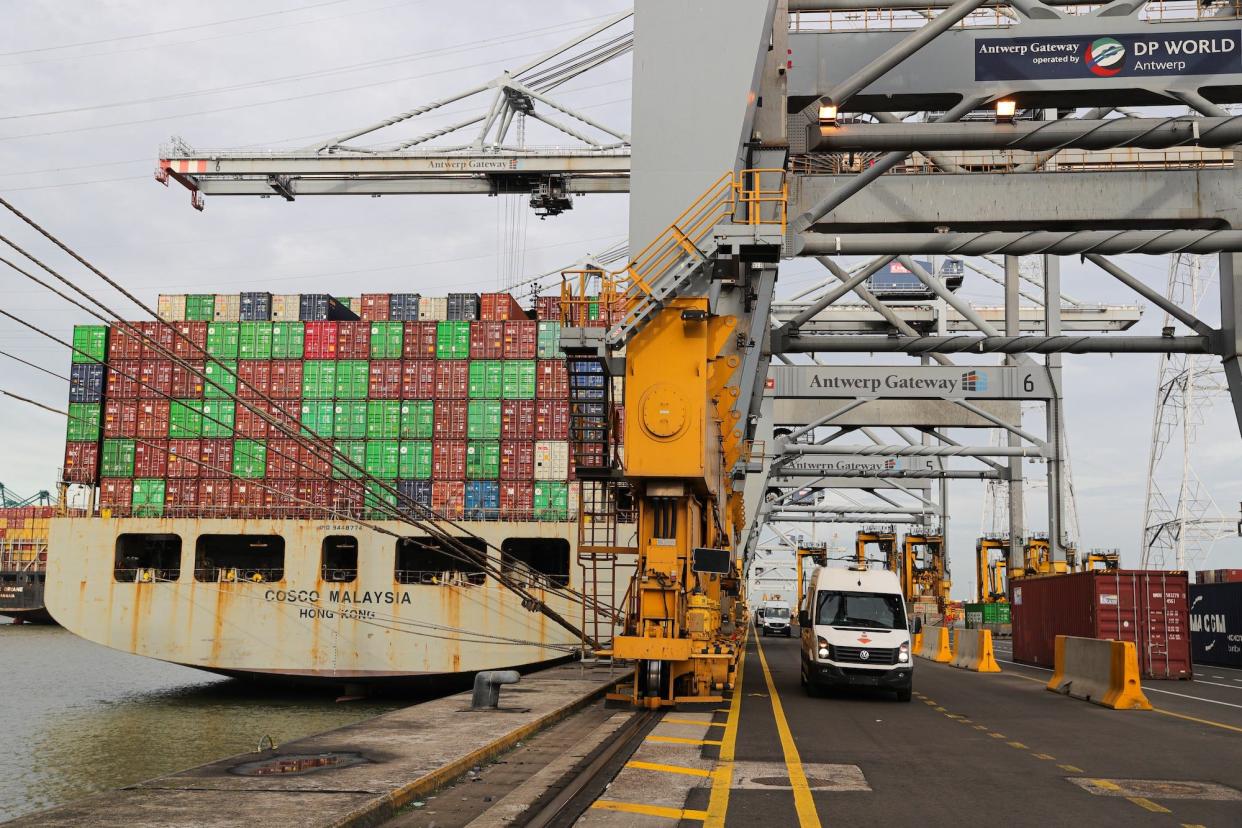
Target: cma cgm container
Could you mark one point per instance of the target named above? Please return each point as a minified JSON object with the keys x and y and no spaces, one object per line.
{"x":1147,"y":607}
{"x":1216,"y":623}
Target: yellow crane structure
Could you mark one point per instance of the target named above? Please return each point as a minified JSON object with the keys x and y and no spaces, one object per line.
{"x":992,"y":569}
{"x":924,"y":568}
{"x":885,"y":541}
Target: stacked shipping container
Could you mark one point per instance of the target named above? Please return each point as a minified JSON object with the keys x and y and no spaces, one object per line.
{"x":459,"y":403}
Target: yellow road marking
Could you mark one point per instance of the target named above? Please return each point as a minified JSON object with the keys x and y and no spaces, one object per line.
{"x":648,"y":810}
{"x":981,"y":727}
{"x":997,"y":735}
{"x":1071,"y":768}
{"x":804,"y":804}
{"x":1106,"y":785}
{"x":655,"y":766}
{"x":940,"y":710}
{"x":1043,"y":756}
{"x":676,"y":740}
{"x":1017,"y":745}
{"x":667,"y":720}
{"x":1143,"y":802}
{"x":722,"y":775}
{"x":1200,"y":721}
{"x":1192,"y":825}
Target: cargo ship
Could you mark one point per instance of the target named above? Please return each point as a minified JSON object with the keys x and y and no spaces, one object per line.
{"x":23,"y":559}
{"x":228,"y":541}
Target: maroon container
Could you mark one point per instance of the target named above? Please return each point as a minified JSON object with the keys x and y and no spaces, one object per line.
{"x":183,"y":457}
{"x":122,"y":345}
{"x":315,"y":462}
{"x":551,"y":419}
{"x":215,"y":496}
{"x":1218,"y":576}
{"x":254,"y":379}
{"x":158,"y":338}
{"x":548,"y":308}
{"x":551,"y":380}
{"x":248,"y":495}
{"x":521,"y":339}
{"x":500,"y":306}
{"x":487,"y":340}
{"x":120,"y":418}
{"x":448,"y":497}
{"x":286,"y":379}
{"x":151,"y":458}
{"x":419,"y":341}
{"x":315,"y":496}
{"x":418,"y":379}
{"x":452,"y":418}
{"x":320,"y":340}
{"x":1148,"y":607}
{"x":452,"y":379}
{"x":181,"y":497}
{"x":517,"y":420}
{"x":152,"y":421}
{"x":517,"y":499}
{"x":122,"y":383}
{"x":116,"y":493}
{"x":248,"y":422}
{"x":81,"y":462}
{"x":448,"y":460}
{"x":353,"y":340}
{"x":155,"y":378}
{"x":216,"y":456}
{"x":375,"y":307}
{"x":384,"y":380}
{"x":287,"y":416}
{"x":517,"y":460}
{"x":187,"y":380}
{"x":280,"y":498}
{"x":196,"y":334}
{"x":347,"y":495}
{"x":282,"y":459}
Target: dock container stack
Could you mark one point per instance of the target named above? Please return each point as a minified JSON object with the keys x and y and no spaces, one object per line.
{"x":1216,"y":620}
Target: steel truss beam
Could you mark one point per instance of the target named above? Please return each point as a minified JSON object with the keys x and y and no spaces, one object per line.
{"x":913,"y":451}
{"x":999,"y":344}
{"x":1070,"y":243}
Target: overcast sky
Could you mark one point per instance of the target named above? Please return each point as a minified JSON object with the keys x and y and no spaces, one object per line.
{"x":91,"y":90}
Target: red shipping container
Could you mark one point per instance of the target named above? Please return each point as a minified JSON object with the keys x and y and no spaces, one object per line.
{"x":1218,"y":576}
{"x":123,"y":345}
{"x":157,"y":341}
{"x":452,"y":379}
{"x":215,"y":496}
{"x":152,"y":421}
{"x":217,"y":458}
{"x":314,"y":497}
{"x":315,"y":462}
{"x":418,"y":379}
{"x":448,"y":460}
{"x":420,"y":340}
{"x":448,"y":498}
{"x":282,"y":459}
{"x":384,"y":380}
{"x":487,"y":340}
{"x":521,"y":339}
{"x":517,"y":460}
{"x":151,"y":458}
{"x":286,"y":415}
{"x":452,"y":418}
{"x":375,"y":307}
{"x":280,"y":498}
{"x":353,"y":340}
{"x":187,"y":380}
{"x":120,"y":418}
{"x":551,"y":380}
{"x":347,"y":496}
{"x":551,"y":419}
{"x":81,"y":462}
{"x":320,"y":340}
{"x":618,"y":425}
{"x":286,"y":379}
{"x":1148,"y":607}
{"x":248,"y":495}
{"x":517,"y":420}
{"x":254,"y":379}
{"x":548,"y":308}
{"x":249,"y":423}
{"x":183,"y":457}
{"x":116,"y":493}
{"x":191,"y":340}
{"x":123,"y":380}
{"x":155,"y":378}
{"x":517,"y":499}
{"x":180,"y":498}
{"x":500,"y":306}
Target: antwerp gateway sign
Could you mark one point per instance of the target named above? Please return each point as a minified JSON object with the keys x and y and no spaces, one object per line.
{"x":913,"y":382}
{"x":1086,"y":56}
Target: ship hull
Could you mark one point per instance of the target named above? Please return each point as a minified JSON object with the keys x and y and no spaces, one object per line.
{"x":21,"y":597}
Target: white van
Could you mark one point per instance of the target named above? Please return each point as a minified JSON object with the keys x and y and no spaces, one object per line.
{"x":773,"y":619}
{"x":854,"y":631}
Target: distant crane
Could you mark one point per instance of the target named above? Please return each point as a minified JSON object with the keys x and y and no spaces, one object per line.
{"x":9,"y":499}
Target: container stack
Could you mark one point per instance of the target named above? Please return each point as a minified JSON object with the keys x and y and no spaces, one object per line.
{"x":467,"y":414}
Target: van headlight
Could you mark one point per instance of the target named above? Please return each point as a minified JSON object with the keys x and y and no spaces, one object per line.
{"x":903,"y":653}
{"x":823,"y":646}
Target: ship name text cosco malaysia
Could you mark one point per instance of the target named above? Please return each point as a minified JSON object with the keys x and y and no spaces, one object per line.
{"x":337,"y":596}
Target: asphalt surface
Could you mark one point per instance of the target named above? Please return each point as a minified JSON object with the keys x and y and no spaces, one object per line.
{"x":980,"y":747}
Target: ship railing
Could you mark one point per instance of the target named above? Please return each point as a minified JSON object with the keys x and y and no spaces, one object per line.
{"x":237,"y":575}
{"x":440,"y":577}
{"x":146,"y":575}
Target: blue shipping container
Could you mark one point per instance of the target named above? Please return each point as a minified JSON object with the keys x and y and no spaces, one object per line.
{"x":1216,"y":624}
{"x":482,"y":499}
{"x":413,"y":491}
{"x":403,"y":307}
{"x":86,"y":382}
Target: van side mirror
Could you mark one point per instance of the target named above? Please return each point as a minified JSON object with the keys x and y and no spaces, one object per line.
{"x":804,"y":618}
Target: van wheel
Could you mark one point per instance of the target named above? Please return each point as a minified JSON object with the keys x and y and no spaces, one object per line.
{"x":904,"y":694}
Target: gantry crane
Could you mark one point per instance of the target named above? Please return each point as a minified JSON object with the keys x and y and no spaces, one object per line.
{"x":924,"y":568}
{"x":884,"y":538}
{"x":992,"y":569}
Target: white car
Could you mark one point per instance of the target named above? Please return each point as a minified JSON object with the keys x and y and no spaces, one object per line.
{"x":774,"y":619}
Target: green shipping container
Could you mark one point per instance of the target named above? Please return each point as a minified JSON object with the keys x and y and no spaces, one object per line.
{"x":452,"y":340}
{"x":221,"y":379}
{"x":415,"y":460}
{"x":379,"y":502}
{"x":218,"y":418}
{"x":318,"y":417}
{"x":548,"y":341}
{"x":482,"y":460}
{"x":185,"y":419}
{"x":355,"y":451}
{"x":254,"y":340}
{"x":351,"y":379}
{"x":200,"y":307}
{"x":288,"y":340}
{"x":551,"y":500}
{"x":486,"y":379}
{"x":148,"y":497}
{"x":117,"y":459}
{"x":83,"y":422}
{"x":483,"y":420}
{"x":519,"y":379}
{"x":387,"y":339}
{"x":979,"y":614}
{"x":223,"y":340}
{"x":318,"y":379}
{"x":350,"y":420}
{"x":418,"y":419}
{"x":383,"y":420}
{"x":249,"y":458}
{"x":90,"y":343}
{"x":383,"y":459}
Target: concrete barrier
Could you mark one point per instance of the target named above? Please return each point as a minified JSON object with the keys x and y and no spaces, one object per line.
{"x":1100,"y":671}
{"x":973,"y":651}
{"x":916,"y":643}
{"x":934,"y":645}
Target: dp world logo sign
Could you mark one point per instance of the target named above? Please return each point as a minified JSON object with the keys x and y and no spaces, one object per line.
{"x":1105,"y":57}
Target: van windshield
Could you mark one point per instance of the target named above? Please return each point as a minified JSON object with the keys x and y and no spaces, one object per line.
{"x":871,"y":610}
{"x":776,"y":612}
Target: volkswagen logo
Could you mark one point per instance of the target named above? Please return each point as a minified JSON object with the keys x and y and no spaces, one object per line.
{"x":864,"y":655}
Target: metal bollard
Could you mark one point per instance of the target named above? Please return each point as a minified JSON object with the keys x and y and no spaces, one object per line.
{"x":487,"y":688}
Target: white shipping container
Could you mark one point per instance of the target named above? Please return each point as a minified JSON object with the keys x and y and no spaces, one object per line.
{"x":228,"y":307}
{"x":286,"y":307}
{"x":433,"y":308}
{"x":171,"y":307}
{"x":551,"y":460}
{"x":574,"y":493}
